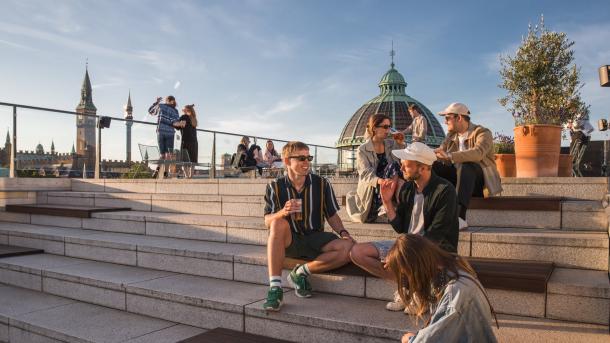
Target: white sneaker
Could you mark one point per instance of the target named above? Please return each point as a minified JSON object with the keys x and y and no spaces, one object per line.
{"x":463,"y":225}
{"x":381,"y":211}
{"x":396,"y":304}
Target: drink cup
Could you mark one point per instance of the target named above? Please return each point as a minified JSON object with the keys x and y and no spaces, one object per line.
{"x":297,"y":213}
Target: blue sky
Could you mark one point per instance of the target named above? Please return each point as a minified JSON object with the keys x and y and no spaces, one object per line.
{"x":285,"y":69}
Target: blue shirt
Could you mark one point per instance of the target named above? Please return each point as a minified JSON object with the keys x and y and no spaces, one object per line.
{"x":463,"y":315}
{"x":167,"y":116}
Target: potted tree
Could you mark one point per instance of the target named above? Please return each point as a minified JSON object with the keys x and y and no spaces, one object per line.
{"x":504,"y":148}
{"x":543,"y":92}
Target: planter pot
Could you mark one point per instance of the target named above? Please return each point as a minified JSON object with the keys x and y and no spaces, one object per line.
{"x":537,"y":150}
{"x":505,"y":163}
{"x":565,"y":165}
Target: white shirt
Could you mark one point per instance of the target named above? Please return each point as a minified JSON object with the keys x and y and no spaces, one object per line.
{"x":462,"y":139}
{"x":416,"y":226}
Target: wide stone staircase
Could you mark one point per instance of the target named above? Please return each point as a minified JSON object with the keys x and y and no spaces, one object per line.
{"x":189,"y":256}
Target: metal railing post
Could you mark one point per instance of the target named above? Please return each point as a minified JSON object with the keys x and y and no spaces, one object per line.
{"x":338,"y":170}
{"x":315,"y":157}
{"x":13,"y":163}
{"x":213,"y":165}
{"x":98,"y":150}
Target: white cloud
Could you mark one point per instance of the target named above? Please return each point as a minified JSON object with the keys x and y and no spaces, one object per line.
{"x":16,"y":45}
{"x":288,"y":105}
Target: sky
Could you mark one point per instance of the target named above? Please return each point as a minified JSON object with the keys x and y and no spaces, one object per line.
{"x":282,"y":69}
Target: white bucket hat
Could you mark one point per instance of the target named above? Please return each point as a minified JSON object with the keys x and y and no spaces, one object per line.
{"x":416,"y":151}
{"x":456,"y":108}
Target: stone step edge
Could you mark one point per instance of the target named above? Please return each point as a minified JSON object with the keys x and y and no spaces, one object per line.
{"x":54,"y":334}
{"x":247,"y":222}
{"x":133,"y":289}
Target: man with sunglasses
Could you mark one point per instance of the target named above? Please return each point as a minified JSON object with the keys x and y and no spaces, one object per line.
{"x":466,"y":158}
{"x":296,"y":206}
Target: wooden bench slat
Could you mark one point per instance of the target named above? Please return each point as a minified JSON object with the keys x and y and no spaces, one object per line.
{"x":10,"y":251}
{"x":514,"y":275}
{"x":230,"y":336}
{"x":62,"y":210}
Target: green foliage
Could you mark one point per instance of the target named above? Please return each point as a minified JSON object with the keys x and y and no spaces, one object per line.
{"x":503,"y":144}
{"x":138,"y":171}
{"x":542,"y":83}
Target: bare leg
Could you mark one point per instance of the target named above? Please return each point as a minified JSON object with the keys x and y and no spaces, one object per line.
{"x":366,"y":256}
{"x":279,"y":239}
{"x":334,"y":255}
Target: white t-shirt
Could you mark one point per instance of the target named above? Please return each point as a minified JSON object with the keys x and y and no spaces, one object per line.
{"x":462,"y":138}
{"x":416,"y":226}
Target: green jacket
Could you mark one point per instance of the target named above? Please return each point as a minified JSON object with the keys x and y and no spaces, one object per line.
{"x":440,"y":212}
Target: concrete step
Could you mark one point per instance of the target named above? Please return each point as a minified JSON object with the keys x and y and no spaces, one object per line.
{"x":208,"y":302}
{"x":585,"y":188}
{"x":574,"y":249}
{"x":571,"y":214}
{"x":30,"y":316}
{"x":17,"y":197}
{"x":239,"y":262}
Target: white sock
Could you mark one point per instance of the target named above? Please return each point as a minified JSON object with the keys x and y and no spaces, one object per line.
{"x":275,"y":281}
{"x":303,"y":269}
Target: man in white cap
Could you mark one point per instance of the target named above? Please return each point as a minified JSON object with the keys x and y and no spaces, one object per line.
{"x":427,"y":206}
{"x":467,"y":158}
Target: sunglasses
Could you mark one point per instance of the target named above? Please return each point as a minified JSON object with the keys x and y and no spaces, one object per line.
{"x":452,"y":116}
{"x":384,"y":126}
{"x":302,"y":158}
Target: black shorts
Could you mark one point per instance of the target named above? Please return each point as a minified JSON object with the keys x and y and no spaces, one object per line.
{"x":309,"y":246}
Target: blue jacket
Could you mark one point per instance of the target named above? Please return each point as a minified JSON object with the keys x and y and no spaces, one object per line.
{"x":462,"y":315}
{"x":166,"y":115}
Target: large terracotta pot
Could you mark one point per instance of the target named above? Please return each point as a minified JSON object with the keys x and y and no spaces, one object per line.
{"x":537,"y":150}
{"x":505,"y":163}
{"x":565,"y":165}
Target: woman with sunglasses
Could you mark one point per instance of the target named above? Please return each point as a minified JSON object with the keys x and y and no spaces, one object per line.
{"x":442,"y":290}
{"x":376,"y":165}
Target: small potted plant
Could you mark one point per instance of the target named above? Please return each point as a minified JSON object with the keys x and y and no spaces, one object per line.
{"x":504,"y":147}
{"x":543,"y":93}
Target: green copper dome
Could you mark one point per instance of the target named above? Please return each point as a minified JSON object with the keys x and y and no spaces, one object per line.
{"x":392,"y":77}
{"x":393,"y":101}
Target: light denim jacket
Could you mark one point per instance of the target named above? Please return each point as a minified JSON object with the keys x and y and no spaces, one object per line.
{"x":462,"y":315}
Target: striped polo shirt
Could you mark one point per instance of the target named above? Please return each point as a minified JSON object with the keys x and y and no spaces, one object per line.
{"x":318,"y":199}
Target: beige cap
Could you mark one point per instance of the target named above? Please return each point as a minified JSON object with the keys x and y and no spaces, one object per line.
{"x":456,"y":108}
{"x":416,"y":151}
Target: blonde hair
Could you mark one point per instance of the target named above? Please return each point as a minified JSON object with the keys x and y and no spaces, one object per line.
{"x":374,"y":121}
{"x":245,"y":140}
{"x":293,"y":146}
{"x":414,"y":262}
{"x":191,"y":109}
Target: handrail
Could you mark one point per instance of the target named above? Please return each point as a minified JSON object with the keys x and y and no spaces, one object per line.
{"x":13,"y":153}
{"x":37,"y":108}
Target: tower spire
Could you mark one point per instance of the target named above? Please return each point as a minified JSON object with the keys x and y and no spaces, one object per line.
{"x":392,"y":54}
{"x":86,"y":92}
{"x":128,"y":108}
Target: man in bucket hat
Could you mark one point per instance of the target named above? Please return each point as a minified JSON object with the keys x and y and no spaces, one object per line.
{"x":427,"y":206}
{"x":467,"y":158}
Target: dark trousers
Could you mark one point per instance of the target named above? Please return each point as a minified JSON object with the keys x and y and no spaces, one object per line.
{"x":471,"y":182}
{"x":578,"y":146}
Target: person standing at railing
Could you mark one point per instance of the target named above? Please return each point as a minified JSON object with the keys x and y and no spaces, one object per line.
{"x":419,"y":127}
{"x":167,"y":120}
{"x":189,"y":138}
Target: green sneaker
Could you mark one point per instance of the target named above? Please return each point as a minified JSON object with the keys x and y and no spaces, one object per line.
{"x":300,"y":283}
{"x":274,"y":299}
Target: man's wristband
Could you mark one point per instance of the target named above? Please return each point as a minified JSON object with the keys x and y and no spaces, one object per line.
{"x":342,"y":231}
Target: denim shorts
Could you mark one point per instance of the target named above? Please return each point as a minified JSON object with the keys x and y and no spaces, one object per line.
{"x":383,"y":247}
{"x":166,"y":142}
